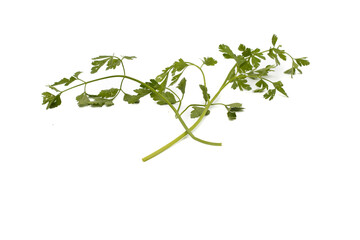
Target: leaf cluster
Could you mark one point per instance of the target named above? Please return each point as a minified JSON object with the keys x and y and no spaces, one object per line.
{"x":249,"y":73}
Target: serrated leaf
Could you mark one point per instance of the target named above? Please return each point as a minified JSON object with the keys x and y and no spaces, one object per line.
{"x":274,"y":40}
{"x":255,"y":61}
{"x":302,"y":61}
{"x":99,"y":102}
{"x":197,"y":111}
{"x":129,"y":57}
{"x":175,"y":78}
{"x":279,"y":86}
{"x":242,"y":84}
{"x":108,"y":93}
{"x":153,"y":84}
{"x":141,"y":92}
{"x":62,"y":81}
{"x":265,"y":71}
{"x":131,"y":99}
{"x":241,"y":47}
{"x":235,"y":107}
{"x":76,"y":75}
{"x":179,"y":66}
{"x":280,"y":53}
{"x":72,"y":79}
{"x":246,"y":52}
{"x":53,"y":101}
{"x":209,"y":61}
{"x":282,"y":56}
{"x":243,"y":65}
{"x":47,"y":97}
{"x":83,"y":100}
{"x":109,"y":103}
{"x":204,"y":90}
{"x":290,"y":71}
{"x":274,"y":56}
{"x":270,"y":94}
{"x":227,"y":52}
{"x":231,"y":115}
{"x":262,"y":85}
{"x":167,"y":95}
{"x":97,"y":64}
{"x":113,"y":63}
{"x":164,"y":75}
{"x":182,"y":85}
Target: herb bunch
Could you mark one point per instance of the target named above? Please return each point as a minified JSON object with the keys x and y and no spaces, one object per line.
{"x":169,"y":87}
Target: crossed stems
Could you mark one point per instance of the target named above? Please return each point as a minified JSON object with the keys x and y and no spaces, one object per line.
{"x":188,"y":131}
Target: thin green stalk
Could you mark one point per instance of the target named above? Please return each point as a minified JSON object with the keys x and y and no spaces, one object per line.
{"x":191,"y":105}
{"x":122,"y":80}
{"x":181,"y":136}
{"x":202,"y":72}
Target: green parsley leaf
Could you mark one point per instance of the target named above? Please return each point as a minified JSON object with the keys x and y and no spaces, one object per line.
{"x":204,"y":90}
{"x":179,"y":66}
{"x":47,"y":97}
{"x":141,"y":92}
{"x":209,"y":61}
{"x":51,"y":100}
{"x":278,"y":86}
{"x":242,"y":84}
{"x":99,"y":102}
{"x":241,"y":47}
{"x":255,"y":61}
{"x":175,"y":78}
{"x":246,"y":52}
{"x":290,"y":71}
{"x":182,"y":85}
{"x":235,"y":107}
{"x":227,"y":52}
{"x":270,"y":94}
{"x":131,"y":99}
{"x":97,"y":65}
{"x":129,"y":57}
{"x":197,"y":111}
{"x":231,"y":115}
{"x":83,"y":100}
{"x":168,"y":95}
{"x":62,"y":81}
{"x":262,"y":85}
{"x":109,"y":93}
{"x":112,"y":63}
{"x":274,"y":40}
{"x":302,"y":61}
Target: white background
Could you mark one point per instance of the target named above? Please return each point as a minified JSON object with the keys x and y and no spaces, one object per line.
{"x":288,"y":169}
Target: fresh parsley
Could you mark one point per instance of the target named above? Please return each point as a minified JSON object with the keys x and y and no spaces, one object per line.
{"x":168,"y":88}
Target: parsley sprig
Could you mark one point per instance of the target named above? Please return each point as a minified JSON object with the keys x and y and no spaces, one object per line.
{"x":249,"y":73}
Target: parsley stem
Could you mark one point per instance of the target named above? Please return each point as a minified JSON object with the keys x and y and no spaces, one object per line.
{"x":191,"y":105}
{"x":179,"y":100}
{"x":202,"y":72}
{"x":122,"y":80}
{"x":181,"y":136}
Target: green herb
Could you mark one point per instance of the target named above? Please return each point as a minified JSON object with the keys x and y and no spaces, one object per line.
{"x":248,"y":73}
